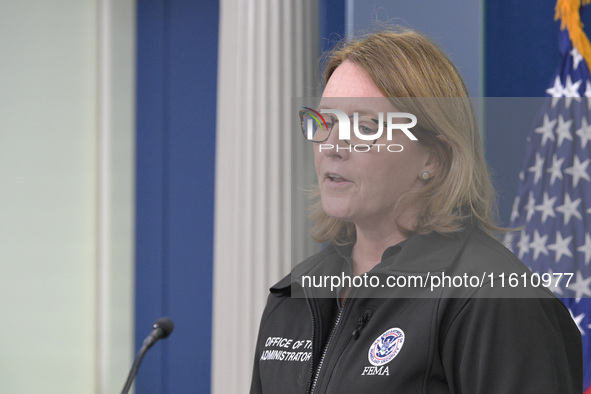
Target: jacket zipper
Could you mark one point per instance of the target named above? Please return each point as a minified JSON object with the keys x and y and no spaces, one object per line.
{"x":325,"y":350}
{"x":313,"y":337}
{"x":361,"y":322}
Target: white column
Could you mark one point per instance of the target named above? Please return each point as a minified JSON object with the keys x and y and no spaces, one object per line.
{"x":115,"y":193}
{"x":268,"y":55}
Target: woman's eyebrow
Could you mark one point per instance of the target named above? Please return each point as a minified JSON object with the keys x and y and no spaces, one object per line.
{"x":367,"y":112}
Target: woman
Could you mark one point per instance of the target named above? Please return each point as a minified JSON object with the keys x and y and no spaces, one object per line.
{"x":398,"y":222}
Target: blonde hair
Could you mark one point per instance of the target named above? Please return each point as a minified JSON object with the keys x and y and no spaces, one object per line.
{"x":405,"y":64}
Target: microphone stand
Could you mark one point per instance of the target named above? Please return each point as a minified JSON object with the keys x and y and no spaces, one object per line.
{"x":161,"y":329}
{"x":134,"y":368}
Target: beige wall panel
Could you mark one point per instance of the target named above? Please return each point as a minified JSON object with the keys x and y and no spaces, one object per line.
{"x":49,"y":200}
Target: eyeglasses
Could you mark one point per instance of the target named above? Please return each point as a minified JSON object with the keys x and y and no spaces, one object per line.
{"x":317,"y":129}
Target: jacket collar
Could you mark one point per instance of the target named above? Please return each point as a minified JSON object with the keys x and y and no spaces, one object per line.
{"x":421,"y":253}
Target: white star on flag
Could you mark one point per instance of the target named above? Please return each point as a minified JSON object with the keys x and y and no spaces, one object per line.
{"x":547,"y":129}
{"x":547,"y":207}
{"x":577,"y":58}
{"x":563,"y":130}
{"x":571,"y":91}
{"x":580,"y":286}
{"x":561,"y":246}
{"x":531,"y":206}
{"x":570,"y":208}
{"x":555,"y":91}
{"x":537,"y":168}
{"x":578,"y":171}
{"x":554,"y":170}
{"x":539,"y":244}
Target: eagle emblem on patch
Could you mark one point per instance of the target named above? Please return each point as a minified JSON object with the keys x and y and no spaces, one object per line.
{"x":386,"y":346}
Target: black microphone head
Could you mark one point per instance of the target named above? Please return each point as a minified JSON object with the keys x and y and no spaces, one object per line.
{"x":166,"y":325}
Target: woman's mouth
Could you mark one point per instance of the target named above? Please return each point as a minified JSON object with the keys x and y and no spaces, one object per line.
{"x":336,"y":179}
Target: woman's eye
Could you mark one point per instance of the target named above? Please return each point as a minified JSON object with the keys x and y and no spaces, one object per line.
{"x":368,"y":129}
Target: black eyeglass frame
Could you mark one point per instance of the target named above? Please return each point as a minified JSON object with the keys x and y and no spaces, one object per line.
{"x":303,"y":112}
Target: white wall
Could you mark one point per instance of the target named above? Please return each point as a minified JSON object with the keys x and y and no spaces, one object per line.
{"x":66,"y":171}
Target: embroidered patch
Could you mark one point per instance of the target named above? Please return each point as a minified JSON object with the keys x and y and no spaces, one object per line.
{"x":386,"y":347}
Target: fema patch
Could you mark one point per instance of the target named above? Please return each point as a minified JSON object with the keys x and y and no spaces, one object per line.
{"x":386,"y":347}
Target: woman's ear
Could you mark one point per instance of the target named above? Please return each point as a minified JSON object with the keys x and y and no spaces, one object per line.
{"x":437,"y":156}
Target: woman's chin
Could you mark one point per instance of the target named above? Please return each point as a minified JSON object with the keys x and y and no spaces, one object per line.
{"x":337,"y":212}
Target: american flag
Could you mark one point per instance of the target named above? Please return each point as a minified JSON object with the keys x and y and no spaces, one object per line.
{"x":553,"y":205}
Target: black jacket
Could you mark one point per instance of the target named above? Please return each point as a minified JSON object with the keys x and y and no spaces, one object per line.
{"x":486,"y":337}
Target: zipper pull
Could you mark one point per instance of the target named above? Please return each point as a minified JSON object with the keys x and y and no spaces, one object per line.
{"x":361,"y":323}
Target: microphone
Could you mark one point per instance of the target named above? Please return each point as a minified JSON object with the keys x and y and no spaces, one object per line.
{"x":160,"y":330}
